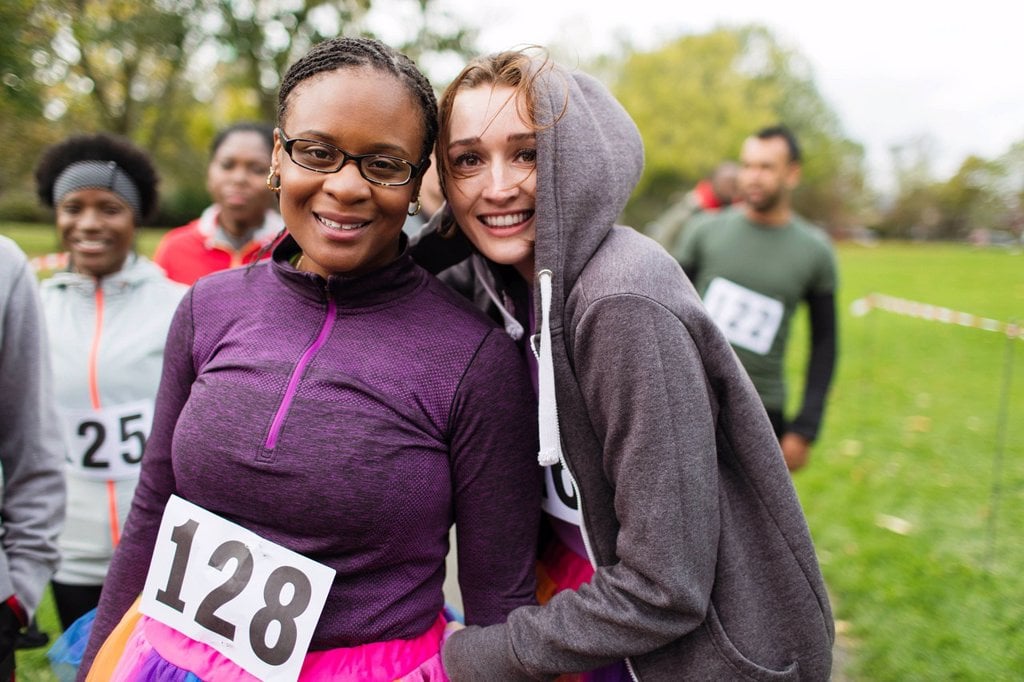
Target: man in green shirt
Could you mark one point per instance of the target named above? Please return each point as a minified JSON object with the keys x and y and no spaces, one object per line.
{"x":753,"y":265}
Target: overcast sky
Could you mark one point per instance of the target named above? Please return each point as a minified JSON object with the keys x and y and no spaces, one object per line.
{"x":893,"y":70}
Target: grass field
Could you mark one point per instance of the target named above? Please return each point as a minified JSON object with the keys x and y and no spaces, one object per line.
{"x":915,"y":494}
{"x":915,"y":491}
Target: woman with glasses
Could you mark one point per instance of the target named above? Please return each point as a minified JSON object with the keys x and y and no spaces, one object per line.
{"x":243,"y":217}
{"x":323,"y":419}
{"x":108,"y":314}
{"x":676,"y":547}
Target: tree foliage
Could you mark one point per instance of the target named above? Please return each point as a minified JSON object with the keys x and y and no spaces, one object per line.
{"x":695,"y":99}
{"x":984,"y":197}
{"x":168,"y":73}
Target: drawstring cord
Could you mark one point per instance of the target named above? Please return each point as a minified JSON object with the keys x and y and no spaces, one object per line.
{"x":547,"y":407}
{"x":512,"y":326}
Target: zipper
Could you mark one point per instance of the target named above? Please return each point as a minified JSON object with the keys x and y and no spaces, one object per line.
{"x":94,"y":350}
{"x":551,"y":438}
{"x":94,"y":400}
{"x":296,"y":377}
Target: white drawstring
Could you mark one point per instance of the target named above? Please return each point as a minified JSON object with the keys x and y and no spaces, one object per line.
{"x":512,"y":326}
{"x":547,"y":406}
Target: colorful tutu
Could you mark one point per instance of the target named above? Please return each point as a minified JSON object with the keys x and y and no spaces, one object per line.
{"x":141,"y":648}
{"x":560,"y":568}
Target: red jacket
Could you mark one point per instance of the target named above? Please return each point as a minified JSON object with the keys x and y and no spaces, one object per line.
{"x":188,"y":252}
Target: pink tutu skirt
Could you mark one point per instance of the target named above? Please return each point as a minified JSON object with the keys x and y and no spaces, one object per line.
{"x":144,"y":649}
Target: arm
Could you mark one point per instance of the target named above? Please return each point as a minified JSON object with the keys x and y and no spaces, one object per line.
{"x":31,"y":451}
{"x":497,"y":483}
{"x":686,"y":251}
{"x":820,"y":368}
{"x":127,"y":573}
{"x":648,"y":399}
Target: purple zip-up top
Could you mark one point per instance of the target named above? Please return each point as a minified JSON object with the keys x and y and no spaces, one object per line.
{"x":352,"y":420}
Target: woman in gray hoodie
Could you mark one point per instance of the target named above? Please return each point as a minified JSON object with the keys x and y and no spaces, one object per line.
{"x":675,"y":526}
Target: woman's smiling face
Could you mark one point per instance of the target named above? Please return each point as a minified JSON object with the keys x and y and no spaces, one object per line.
{"x":97,"y":228}
{"x":344,"y":223}
{"x":492,"y":175}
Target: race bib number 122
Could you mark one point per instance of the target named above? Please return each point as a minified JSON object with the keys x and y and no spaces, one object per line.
{"x":255,"y":602}
{"x":748,"y":319}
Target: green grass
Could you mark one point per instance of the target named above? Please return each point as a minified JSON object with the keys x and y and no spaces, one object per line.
{"x":920,"y":414}
{"x":37,"y":240}
{"x":917,"y":419}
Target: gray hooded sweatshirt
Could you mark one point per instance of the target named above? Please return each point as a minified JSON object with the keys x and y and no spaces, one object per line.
{"x":31,"y":452}
{"x":705,"y":569}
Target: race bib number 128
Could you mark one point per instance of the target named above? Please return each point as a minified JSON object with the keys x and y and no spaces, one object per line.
{"x":255,"y":602}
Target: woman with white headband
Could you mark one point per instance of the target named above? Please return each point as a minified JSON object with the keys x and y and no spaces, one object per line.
{"x":108,"y":313}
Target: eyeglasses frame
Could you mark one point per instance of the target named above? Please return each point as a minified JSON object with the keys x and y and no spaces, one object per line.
{"x":288,"y":142}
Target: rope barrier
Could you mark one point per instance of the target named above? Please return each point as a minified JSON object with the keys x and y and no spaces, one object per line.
{"x":934,"y":313}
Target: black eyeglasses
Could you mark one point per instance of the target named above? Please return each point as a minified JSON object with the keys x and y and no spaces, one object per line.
{"x":380,"y":169}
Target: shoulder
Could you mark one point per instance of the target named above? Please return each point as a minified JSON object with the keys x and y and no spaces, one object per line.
{"x":13,"y":260}
{"x":176,"y":236}
{"x":10,"y":252}
{"x":811,"y":231}
{"x":248,"y":280}
{"x":153,"y":280}
{"x":453,"y":308}
{"x":629,"y":266}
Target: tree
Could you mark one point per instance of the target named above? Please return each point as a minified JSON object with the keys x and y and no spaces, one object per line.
{"x":21,"y":104}
{"x":168,"y":73}
{"x":697,"y":98}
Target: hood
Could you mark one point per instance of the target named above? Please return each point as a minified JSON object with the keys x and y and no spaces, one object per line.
{"x":589,"y":159}
{"x":588,"y":164}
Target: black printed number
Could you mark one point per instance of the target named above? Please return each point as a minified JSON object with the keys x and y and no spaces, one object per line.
{"x":138,"y":435}
{"x":129,"y":433}
{"x":182,"y":537}
{"x":231,"y":588}
{"x":285,"y":614}
{"x":273,"y":610}
{"x":100,"y":435}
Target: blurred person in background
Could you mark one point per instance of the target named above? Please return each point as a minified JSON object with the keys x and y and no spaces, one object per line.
{"x":430,"y":200}
{"x":243,"y":217}
{"x":713,"y":193}
{"x":753,"y":266}
{"x":108,"y":314}
{"x":32,"y":490}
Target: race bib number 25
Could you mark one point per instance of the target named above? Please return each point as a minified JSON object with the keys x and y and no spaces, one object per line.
{"x":108,"y":443}
{"x":255,"y":602}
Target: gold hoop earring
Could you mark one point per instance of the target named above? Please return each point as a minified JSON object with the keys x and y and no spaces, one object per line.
{"x":271,"y":185}
{"x":414,"y":211}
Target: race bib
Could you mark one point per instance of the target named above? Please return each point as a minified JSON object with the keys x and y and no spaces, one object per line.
{"x":107,"y":444}
{"x":748,"y":319}
{"x":560,"y":497}
{"x":255,"y":602}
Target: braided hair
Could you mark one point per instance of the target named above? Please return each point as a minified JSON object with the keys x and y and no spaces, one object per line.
{"x":345,"y":52}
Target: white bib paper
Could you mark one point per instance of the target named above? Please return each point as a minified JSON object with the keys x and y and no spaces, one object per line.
{"x":560,"y":497}
{"x":748,"y":319}
{"x":255,"y":602}
{"x":107,"y":444}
